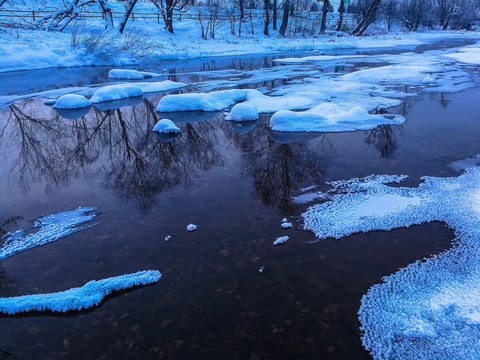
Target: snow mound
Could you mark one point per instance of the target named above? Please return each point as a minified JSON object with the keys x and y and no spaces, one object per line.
{"x":218,"y":100}
{"x":392,"y":73}
{"x":281,"y":240}
{"x":166,"y":126}
{"x":159,"y":86}
{"x":213,"y":101}
{"x":191,"y":227}
{"x":243,"y":112}
{"x":116,"y":92}
{"x":428,"y":80}
{"x":71,"y":101}
{"x":430,"y":309}
{"x":50,"y":229}
{"x":467,"y":55}
{"x":287,"y":225}
{"x":84,"y":297}
{"x":328,"y":117}
{"x":130,"y":74}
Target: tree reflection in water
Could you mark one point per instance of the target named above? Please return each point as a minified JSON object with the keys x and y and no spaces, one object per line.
{"x":118,"y":144}
{"x":383,"y":139}
{"x":280,"y":168}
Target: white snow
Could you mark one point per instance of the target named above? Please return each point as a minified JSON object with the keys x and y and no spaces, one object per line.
{"x":281,"y":240}
{"x":130,"y":74}
{"x":131,"y":90}
{"x":316,"y":58}
{"x":242,"y":112}
{"x":286,"y":225}
{"x":467,"y":163}
{"x":168,"y":237}
{"x":411,"y":74}
{"x":191,"y":227}
{"x":116,"y":92}
{"x":50,"y":228}
{"x":89,"y":295}
{"x":328,"y":117}
{"x":166,"y":126}
{"x":467,"y":55}
{"x":428,"y":80}
{"x":71,"y":101}
{"x":430,"y":309}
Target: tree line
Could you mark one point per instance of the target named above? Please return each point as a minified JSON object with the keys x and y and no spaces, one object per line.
{"x":277,"y":14}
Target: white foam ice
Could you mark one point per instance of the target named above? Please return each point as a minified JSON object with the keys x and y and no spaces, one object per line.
{"x":49,"y":228}
{"x":430,"y":309}
{"x":91,"y":294}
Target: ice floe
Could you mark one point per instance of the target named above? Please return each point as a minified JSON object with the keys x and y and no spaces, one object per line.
{"x":91,"y":294}
{"x":49,"y":228}
{"x":243,"y":112}
{"x":191,"y":227}
{"x":281,"y":240}
{"x":71,"y":101}
{"x":467,"y":55}
{"x":130,"y":74}
{"x":467,"y":163}
{"x":286,"y":224}
{"x":430,"y":309}
{"x":316,"y":58}
{"x":130,"y":90}
{"x":329,"y":117}
{"x":166,"y":126}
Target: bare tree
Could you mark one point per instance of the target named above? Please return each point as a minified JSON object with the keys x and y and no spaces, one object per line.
{"x":128,"y":11}
{"x":325,"y":8}
{"x":266,"y":17}
{"x":166,"y":9}
{"x":367,"y":19}
{"x":286,"y":12}
{"x":107,"y":13}
{"x":60,"y":20}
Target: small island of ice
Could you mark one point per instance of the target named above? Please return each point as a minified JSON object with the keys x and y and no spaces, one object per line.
{"x":130,"y":74}
{"x":191,"y":227}
{"x":281,"y":240}
{"x":166,"y":126}
{"x":243,"y":112}
{"x":116,"y":92}
{"x":71,"y":101}
{"x":89,"y":295}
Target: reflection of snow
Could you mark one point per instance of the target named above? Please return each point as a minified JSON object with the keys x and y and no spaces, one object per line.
{"x":84,"y":297}
{"x":50,"y":228}
{"x":430,"y":309}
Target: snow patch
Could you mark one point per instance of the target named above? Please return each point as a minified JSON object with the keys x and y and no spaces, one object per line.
{"x":166,"y":126}
{"x":130,"y":74}
{"x":243,"y":112}
{"x":191,"y":227}
{"x":281,"y":240}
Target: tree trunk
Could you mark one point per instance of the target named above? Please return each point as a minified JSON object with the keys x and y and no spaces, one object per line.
{"x":267,"y":18}
{"x":128,"y":10}
{"x":449,"y":15}
{"x":323,"y":25}
{"x":286,"y":12}
{"x":169,"y":16}
{"x":341,"y":11}
{"x":367,"y":19}
{"x":274,"y":15}
{"x":242,"y":14}
{"x":107,"y":13}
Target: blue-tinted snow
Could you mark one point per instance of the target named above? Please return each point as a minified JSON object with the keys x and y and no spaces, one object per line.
{"x":430,"y":309}
{"x":50,"y":228}
{"x":89,"y":295}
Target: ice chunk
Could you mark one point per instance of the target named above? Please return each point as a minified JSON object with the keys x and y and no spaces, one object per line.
{"x":89,"y":295}
{"x":243,"y":112}
{"x":50,"y":229}
{"x":281,"y":240}
{"x":287,"y":225}
{"x":116,"y":92}
{"x":261,"y":269}
{"x":166,"y":126}
{"x":468,"y":55}
{"x":130,"y":74}
{"x":329,"y":117}
{"x":71,"y":101}
{"x":428,"y":80}
{"x":467,"y":163}
{"x":191,"y":227}
{"x":168,"y":237}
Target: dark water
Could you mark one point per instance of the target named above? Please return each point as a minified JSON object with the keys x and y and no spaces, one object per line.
{"x":235,"y":183}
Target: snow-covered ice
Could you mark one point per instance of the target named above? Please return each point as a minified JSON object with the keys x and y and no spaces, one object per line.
{"x":316,"y":58}
{"x":463,"y":164}
{"x":281,"y":240}
{"x":430,"y":309}
{"x":130,"y":74}
{"x":50,"y":228}
{"x":166,"y":126}
{"x":91,"y":294}
{"x":191,"y":227}
{"x":286,"y":225}
{"x":242,"y":112}
{"x":71,"y":101}
{"x":330,"y":117}
{"x":116,"y":92}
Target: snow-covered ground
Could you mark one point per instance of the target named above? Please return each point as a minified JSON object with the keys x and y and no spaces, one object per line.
{"x":35,"y":49}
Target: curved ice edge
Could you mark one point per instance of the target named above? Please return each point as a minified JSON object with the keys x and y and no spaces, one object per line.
{"x":91,"y":294}
{"x":50,"y":228}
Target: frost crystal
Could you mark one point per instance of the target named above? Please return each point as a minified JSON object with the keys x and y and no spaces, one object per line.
{"x":50,"y":229}
{"x":80,"y":298}
{"x":430,"y":309}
